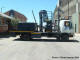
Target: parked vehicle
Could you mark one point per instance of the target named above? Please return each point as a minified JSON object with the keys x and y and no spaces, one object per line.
{"x":29,"y":30}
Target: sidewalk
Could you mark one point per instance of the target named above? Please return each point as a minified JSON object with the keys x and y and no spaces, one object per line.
{"x":77,"y":36}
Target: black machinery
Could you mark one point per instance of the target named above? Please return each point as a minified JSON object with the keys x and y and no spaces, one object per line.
{"x":43,"y":14}
{"x":29,"y":30}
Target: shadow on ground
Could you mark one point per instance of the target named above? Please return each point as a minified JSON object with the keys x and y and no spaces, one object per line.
{"x":6,"y":36}
{"x":46,"y":40}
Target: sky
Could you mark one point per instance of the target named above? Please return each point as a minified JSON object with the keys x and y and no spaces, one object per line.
{"x":26,"y":6}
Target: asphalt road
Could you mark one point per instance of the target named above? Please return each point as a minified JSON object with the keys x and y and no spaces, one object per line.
{"x":12,"y":48}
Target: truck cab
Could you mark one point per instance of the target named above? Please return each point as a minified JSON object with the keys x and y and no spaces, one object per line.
{"x":66,"y":29}
{"x":66,"y":26}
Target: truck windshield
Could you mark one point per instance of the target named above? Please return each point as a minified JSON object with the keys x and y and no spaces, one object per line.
{"x":68,"y":25}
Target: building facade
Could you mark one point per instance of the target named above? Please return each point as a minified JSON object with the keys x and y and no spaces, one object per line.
{"x":16,"y":15}
{"x":4,"y":19}
{"x":70,"y":8}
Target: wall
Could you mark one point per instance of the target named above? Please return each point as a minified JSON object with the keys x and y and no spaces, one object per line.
{"x":64,"y":7}
{"x":79,"y":22}
{"x":75,"y":20}
{"x":3,"y":25}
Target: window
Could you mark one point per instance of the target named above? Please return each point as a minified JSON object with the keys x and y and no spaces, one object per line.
{"x":68,"y":25}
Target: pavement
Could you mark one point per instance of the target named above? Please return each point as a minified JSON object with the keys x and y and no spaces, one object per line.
{"x":77,"y":36}
{"x":12,"y":48}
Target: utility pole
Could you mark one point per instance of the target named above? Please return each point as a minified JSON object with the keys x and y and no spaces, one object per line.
{"x":58,"y":19}
{"x":68,"y":9}
{"x":2,"y":9}
{"x":58,"y":7}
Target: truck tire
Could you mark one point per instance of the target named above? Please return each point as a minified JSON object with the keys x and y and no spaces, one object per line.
{"x":65,"y":37}
{"x":25,"y":37}
{"x":22,"y":37}
{"x":58,"y":38}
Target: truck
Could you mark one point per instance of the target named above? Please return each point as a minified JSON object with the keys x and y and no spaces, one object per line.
{"x":27,"y":31}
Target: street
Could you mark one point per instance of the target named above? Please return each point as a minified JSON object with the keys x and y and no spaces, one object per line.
{"x":12,"y":48}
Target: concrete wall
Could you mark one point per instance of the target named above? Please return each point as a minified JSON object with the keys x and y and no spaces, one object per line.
{"x":75,"y":20}
{"x":74,"y":9}
{"x":64,"y":7}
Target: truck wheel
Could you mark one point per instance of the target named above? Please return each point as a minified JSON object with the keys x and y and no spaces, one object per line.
{"x":21,"y":37}
{"x":64,"y":37}
{"x":25,"y":37}
{"x":58,"y":38}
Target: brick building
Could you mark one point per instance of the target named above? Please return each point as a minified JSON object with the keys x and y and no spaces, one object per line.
{"x":16,"y":15}
{"x":70,"y":8}
{"x":4,"y":19}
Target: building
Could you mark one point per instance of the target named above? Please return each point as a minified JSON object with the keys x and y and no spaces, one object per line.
{"x":67,"y":6}
{"x":70,"y":8}
{"x":4,"y":19}
{"x":16,"y":15}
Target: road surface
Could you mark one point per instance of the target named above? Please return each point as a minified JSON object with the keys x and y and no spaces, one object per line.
{"x":12,"y":48}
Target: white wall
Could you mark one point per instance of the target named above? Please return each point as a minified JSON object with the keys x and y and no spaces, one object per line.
{"x":75,"y":20}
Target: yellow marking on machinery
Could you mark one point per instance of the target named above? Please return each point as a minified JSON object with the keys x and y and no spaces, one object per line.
{"x":36,"y":33}
{"x":21,"y":31}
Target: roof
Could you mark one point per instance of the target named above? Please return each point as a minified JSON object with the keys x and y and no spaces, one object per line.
{"x":16,"y":15}
{"x":6,"y":16}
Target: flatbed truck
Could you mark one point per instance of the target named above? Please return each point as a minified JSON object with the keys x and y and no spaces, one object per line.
{"x":28,"y":31}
